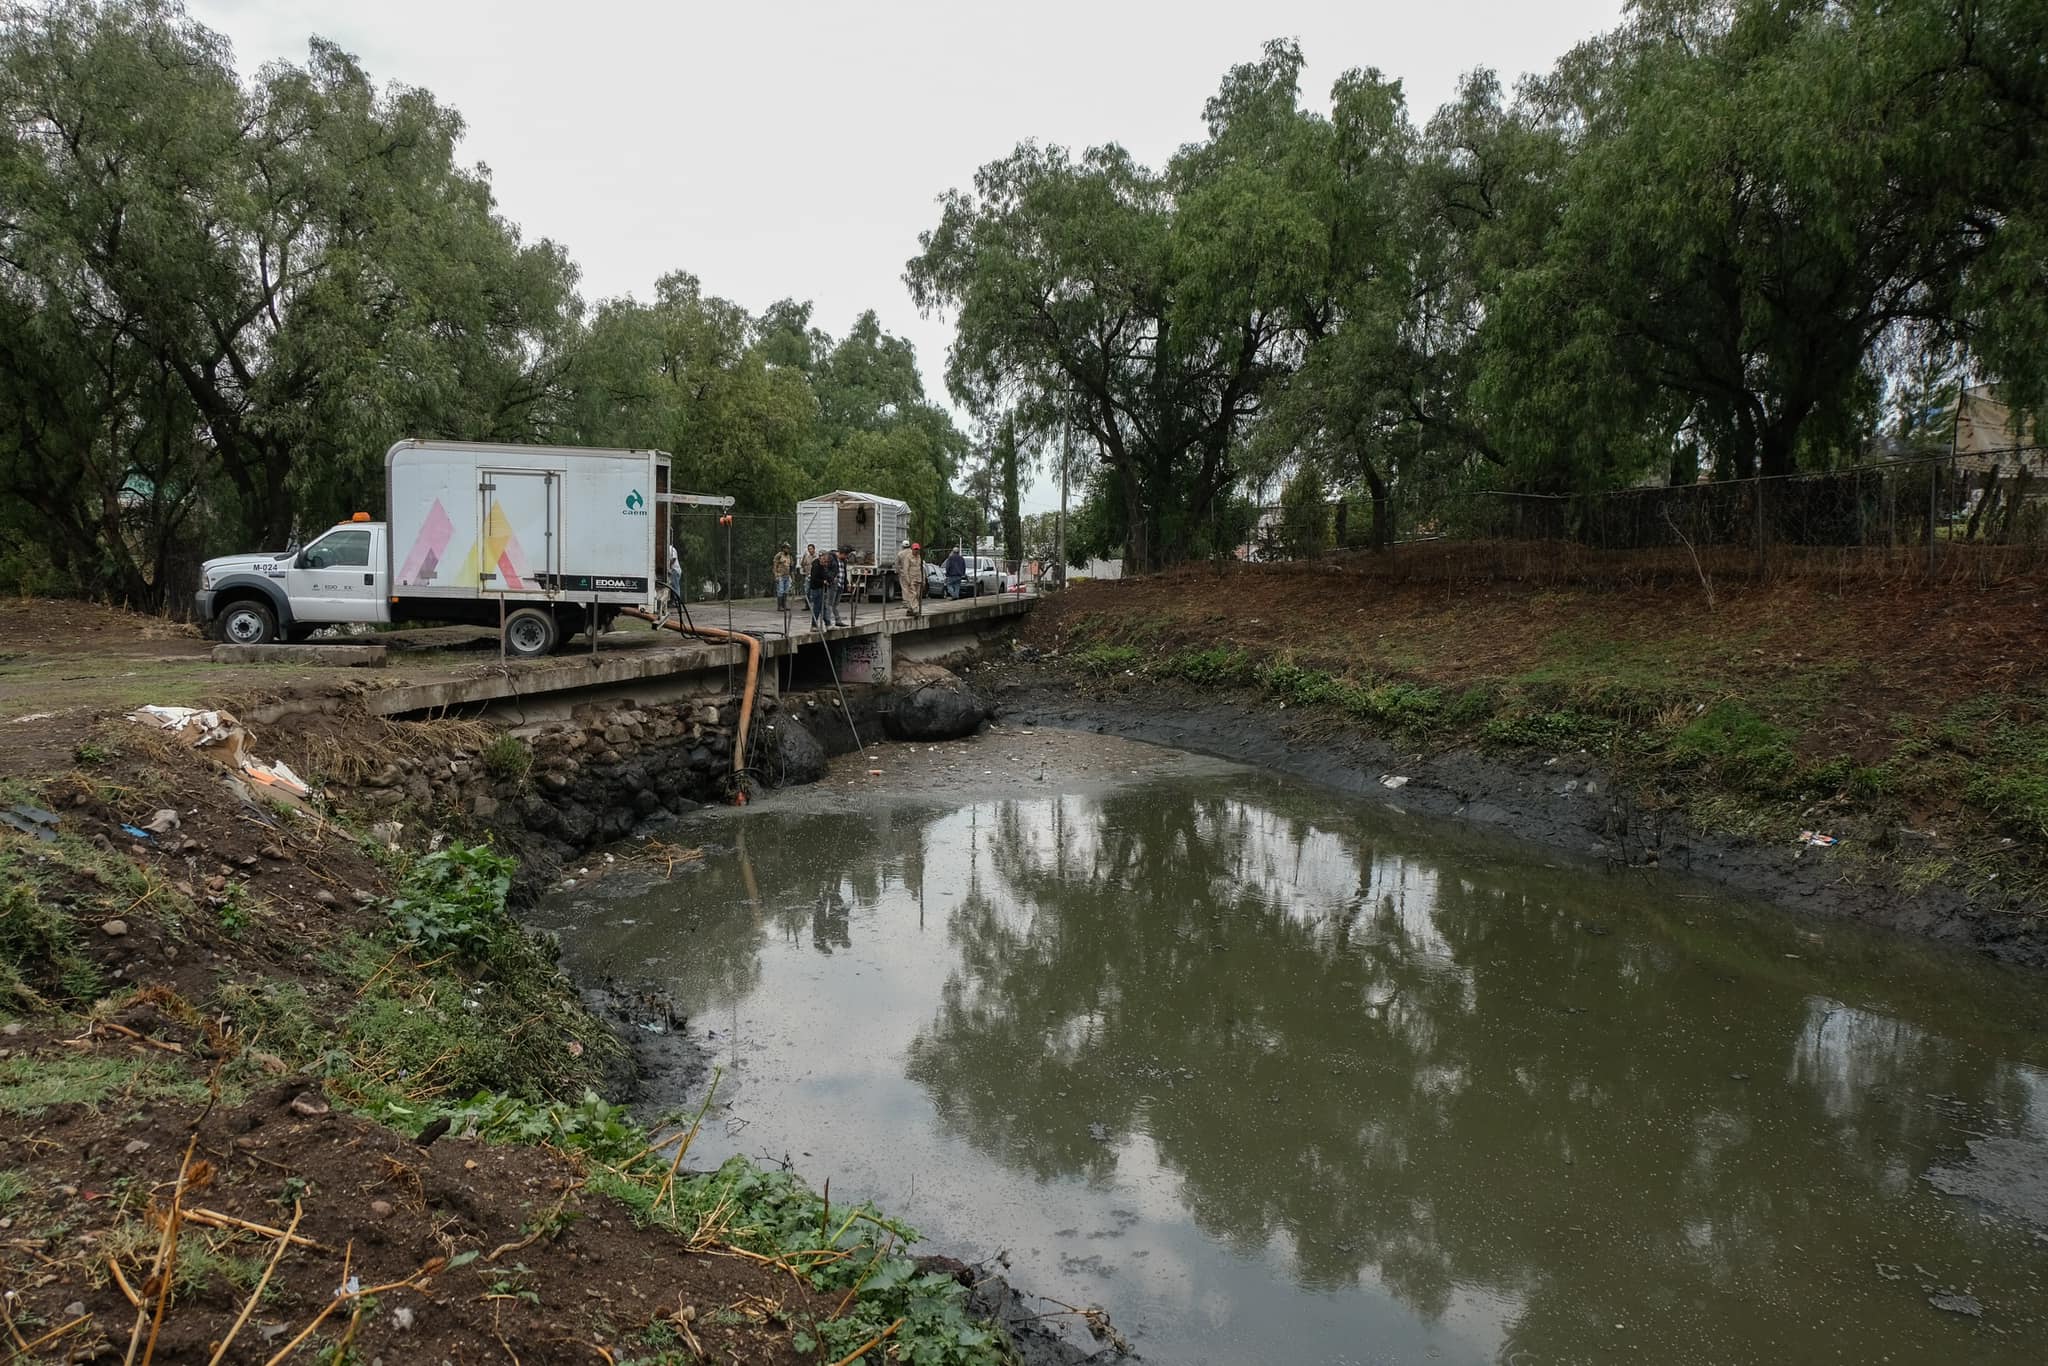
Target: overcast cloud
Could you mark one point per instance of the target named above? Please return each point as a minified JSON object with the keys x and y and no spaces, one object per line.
{"x":797,"y":149}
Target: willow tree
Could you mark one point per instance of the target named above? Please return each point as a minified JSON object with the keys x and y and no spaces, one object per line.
{"x":252,"y":287}
{"x":1073,"y":298}
{"x":1759,"y":198}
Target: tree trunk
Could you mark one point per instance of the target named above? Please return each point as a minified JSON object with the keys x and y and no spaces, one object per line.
{"x":1382,"y":519}
{"x":1138,"y":542}
{"x":1985,"y":500}
{"x":1013,"y":507}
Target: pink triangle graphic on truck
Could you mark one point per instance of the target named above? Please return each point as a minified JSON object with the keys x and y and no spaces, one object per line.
{"x":429,"y":548}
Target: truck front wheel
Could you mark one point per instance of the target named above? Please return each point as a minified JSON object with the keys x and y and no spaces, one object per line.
{"x":248,"y":622}
{"x":530,"y":633}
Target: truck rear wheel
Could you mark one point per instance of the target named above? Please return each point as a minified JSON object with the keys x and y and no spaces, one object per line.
{"x":530,"y":633}
{"x":248,"y":622}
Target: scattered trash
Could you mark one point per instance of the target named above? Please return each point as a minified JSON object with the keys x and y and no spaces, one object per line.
{"x":1966,"y":1305}
{"x":220,"y":732}
{"x":1099,"y":1132}
{"x":1393,"y":780}
{"x":1816,"y":839}
{"x":163,"y":822}
{"x":874,"y":773}
{"x":31,"y":820}
{"x":136,"y":832}
{"x":32,"y":716}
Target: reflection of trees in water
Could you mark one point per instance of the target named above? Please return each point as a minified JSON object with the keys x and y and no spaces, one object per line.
{"x":1438,"y":1076}
{"x":797,"y":875}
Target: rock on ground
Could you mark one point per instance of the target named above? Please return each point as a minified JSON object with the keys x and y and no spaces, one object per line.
{"x":791,"y":754}
{"x":936,"y":705}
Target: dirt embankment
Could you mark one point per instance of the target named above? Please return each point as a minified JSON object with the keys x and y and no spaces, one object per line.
{"x":242,"y":1016}
{"x":1910,"y":727}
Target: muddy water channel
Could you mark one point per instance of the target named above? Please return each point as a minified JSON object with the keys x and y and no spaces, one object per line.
{"x":1278,"y":1075}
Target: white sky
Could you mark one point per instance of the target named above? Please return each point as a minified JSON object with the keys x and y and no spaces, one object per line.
{"x":796,"y":149}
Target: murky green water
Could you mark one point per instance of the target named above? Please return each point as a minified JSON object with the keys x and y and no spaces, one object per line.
{"x":1277,"y":1075}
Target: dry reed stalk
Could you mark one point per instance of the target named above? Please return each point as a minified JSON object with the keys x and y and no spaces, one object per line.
{"x":412,"y":1282}
{"x":21,"y":1352}
{"x":873,"y":1262}
{"x":161,"y":1268}
{"x":121,"y":1284}
{"x":668,"y":1182}
{"x":869,"y":1345}
{"x":249,"y":1305}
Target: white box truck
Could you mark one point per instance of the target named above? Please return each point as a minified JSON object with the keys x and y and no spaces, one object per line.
{"x":547,"y":540}
{"x":873,"y":525}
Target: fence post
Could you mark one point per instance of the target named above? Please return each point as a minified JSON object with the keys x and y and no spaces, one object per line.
{"x":1761,"y":562}
{"x":1933,"y":490}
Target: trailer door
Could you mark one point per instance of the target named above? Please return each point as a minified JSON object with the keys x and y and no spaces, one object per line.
{"x":520,"y":529}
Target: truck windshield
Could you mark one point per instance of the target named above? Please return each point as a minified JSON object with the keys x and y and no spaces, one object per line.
{"x":338,"y":550}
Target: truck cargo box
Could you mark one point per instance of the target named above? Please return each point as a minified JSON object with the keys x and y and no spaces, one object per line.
{"x":524,"y":522}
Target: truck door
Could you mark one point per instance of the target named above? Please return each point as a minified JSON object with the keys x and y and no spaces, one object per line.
{"x":336,"y":578}
{"x":521,"y":517}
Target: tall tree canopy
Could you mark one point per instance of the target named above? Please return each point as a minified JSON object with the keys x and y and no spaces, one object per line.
{"x":1719,"y":235}
{"x":241,"y":288}
{"x":221,"y":300}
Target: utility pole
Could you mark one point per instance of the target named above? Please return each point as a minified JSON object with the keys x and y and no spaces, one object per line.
{"x":1066,"y":457}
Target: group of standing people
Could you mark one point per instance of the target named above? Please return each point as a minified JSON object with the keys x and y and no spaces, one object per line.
{"x":822,"y":577}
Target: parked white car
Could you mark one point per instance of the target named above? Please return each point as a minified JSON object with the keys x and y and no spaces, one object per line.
{"x":984,"y":575}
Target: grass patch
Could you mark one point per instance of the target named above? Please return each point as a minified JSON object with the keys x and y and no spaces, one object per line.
{"x":13,"y":1185}
{"x":465,"y":999}
{"x":1563,"y":728}
{"x":1220,"y":667}
{"x":30,"y":1086}
{"x":507,"y":756}
{"x":275,"y":1016}
{"x":1102,"y":660}
{"x":1740,"y":748}
{"x":41,"y":964}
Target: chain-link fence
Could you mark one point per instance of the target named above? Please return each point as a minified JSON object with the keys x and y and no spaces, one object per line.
{"x":728,"y":557}
{"x":1967,"y":518}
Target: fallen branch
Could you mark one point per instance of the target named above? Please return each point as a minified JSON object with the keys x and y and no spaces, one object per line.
{"x":21,"y":1353}
{"x":528,"y":1241}
{"x":249,"y":1306}
{"x":213,"y":1218}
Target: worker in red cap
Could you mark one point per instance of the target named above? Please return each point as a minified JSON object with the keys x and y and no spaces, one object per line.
{"x":910,"y":577}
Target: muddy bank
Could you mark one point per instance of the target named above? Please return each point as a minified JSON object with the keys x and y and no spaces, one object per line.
{"x":1562,"y":800}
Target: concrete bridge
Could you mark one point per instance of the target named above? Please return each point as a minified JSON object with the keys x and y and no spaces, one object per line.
{"x":651,"y":665}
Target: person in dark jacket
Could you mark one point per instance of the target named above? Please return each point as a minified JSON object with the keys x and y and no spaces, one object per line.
{"x":839,"y":581}
{"x":956,"y":570}
{"x":821,"y":582}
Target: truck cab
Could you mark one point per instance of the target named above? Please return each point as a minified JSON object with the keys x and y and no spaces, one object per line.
{"x":338,"y":576}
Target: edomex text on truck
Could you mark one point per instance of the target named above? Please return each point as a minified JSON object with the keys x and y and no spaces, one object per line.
{"x":545,"y":541}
